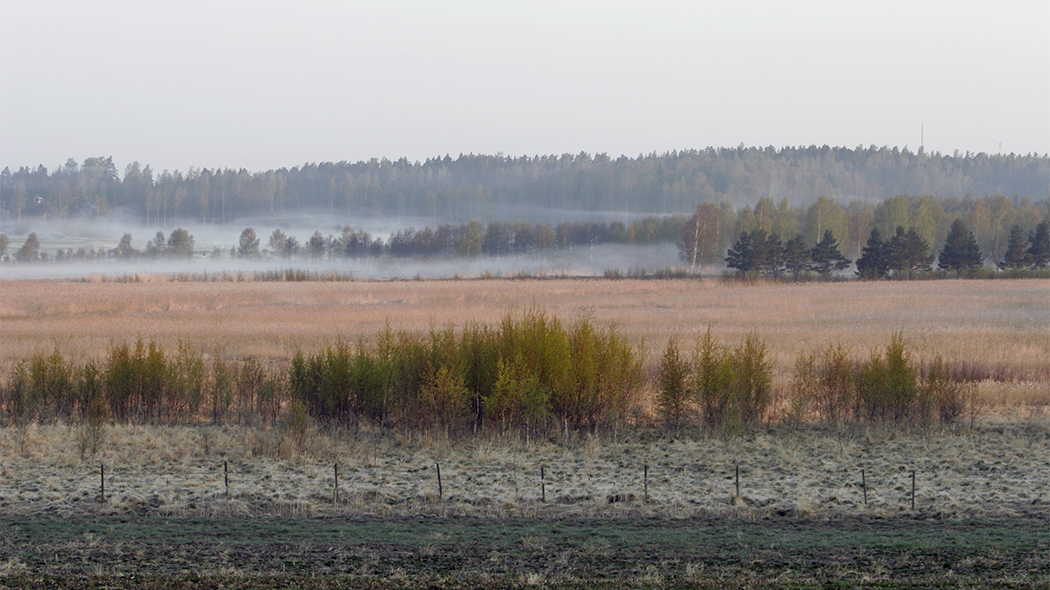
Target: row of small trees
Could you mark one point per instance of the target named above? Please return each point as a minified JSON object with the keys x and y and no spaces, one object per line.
{"x":720,"y":387}
{"x":905,"y":255}
{"x":530,"y":374}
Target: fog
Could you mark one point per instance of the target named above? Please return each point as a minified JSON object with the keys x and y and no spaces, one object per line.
{"x":79,"y":233}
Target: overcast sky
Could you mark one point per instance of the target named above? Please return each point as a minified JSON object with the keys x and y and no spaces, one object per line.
{"x":264,"y":84}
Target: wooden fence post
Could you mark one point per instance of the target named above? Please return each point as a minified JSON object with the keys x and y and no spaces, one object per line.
{"x":102,"y":482}
{"x":913,"y":489}
{"x":441,"y":492}
{"x":226,"y":478}
{"x":543,"y":485}
{"x":864,"y":485}
{"x":645,"y":480}
{"x":335,"y":492}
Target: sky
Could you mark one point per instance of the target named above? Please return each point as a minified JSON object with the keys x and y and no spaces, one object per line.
{"x":264,"y":84}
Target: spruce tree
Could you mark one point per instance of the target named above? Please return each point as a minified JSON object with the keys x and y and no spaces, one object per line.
{"x":908,"y":253}
{"x":796,"y":256}
{"x":1016,"y":249}
{"x":960,"y":252}
{"x":1039,"y":250}
{"x":874,"y":260}
{"x":742,"y":255}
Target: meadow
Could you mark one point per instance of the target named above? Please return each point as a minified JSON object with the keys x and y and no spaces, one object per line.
{"x":809,"y":483}
{"x":1001,"y":325}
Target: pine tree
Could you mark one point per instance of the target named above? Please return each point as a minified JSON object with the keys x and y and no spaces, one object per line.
{"x":960,"y":252}
{"x":874,"y":260}
{"x":826,"y":258}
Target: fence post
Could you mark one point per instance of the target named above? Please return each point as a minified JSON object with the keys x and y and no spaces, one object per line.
{"x":645,"y":481}
{"x":441,"y":492}
{"x":226,"y":478}
{"x":913,"y":489}
{"x":102,"y":482}
{"x":543,"y":485}
{"x":738,"y":480}
{"x":864,"y":485}
{"x":335,"y":492}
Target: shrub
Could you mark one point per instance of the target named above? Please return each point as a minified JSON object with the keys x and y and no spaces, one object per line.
{"x":713,"y":378}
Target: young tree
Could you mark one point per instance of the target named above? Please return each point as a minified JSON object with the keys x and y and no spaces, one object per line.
{"x":1016,"y":249}
{"x":674,"y":394}
{"x":796,"y":256}
{"x":157,"y":246}
{"x":30,"y":250}
{"x":960,"y":251}
{"x":248,"y":247}
{"x":278,"y":244}
{"x":826,"y":258}
{"x":180,"y":244}
{"x":1039,"y":250}
{"x":317,"y":245}
{"x":874,"y":262}
{"x":124,"y":249}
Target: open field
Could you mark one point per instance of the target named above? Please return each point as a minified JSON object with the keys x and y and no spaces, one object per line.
{"x":981,"y":516}
{"x":1000,"y":324}
{"x":367,"y":553}
{"x":639,"y":508}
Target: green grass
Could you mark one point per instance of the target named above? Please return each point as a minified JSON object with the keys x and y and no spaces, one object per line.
{"x":158,"y":552}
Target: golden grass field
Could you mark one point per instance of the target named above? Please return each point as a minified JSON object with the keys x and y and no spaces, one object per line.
{"x":995,"y":322}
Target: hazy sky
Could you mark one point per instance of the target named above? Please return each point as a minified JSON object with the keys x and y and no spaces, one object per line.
{"x":264,"y":84}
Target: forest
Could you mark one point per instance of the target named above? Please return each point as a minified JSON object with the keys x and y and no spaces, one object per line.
{"x":490,"y":187}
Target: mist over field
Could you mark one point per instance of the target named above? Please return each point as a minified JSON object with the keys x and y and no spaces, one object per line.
{"x":55,"y":234}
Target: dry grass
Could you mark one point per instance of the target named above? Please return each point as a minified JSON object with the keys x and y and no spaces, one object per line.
{"x":998,"y":324}
{"x":994,"y":470}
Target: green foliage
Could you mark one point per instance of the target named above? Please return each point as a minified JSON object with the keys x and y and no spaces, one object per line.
{"x":30,"y":250}
{"x":248,"y":244}
{"x":960,"y":252}
{"x":825,"y":257}
{"x":674,"y":391}
{"x":713,"y":380}
{"x":752,"y":379}
{"x":1038,"y":254}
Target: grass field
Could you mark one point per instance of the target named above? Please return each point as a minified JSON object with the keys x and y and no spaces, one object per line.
{"x":1000,"y":324}
{"x":639,"y":509}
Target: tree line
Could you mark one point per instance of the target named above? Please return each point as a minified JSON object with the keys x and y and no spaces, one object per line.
{"x":482,"y":186}
{"x":753,"y":237}
{"x":999,"y":226}
{"x":905,"y":255}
